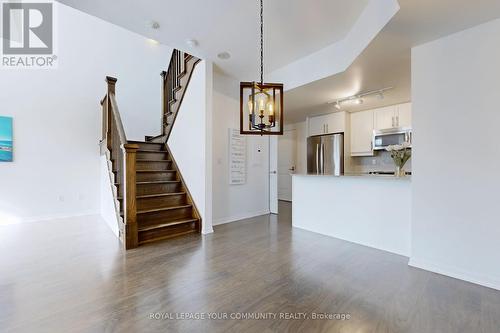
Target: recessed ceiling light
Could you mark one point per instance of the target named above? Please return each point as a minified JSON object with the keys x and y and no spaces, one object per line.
{"x":224,"y":55}
{"x":155,"y":25}
{"x":192,"y":42}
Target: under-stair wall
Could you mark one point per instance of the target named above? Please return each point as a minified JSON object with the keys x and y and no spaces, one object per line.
{"x":190,"y":141}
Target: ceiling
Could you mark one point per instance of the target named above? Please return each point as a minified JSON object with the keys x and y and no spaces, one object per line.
{"x":293,"y":28}
{"x":386,"y":61}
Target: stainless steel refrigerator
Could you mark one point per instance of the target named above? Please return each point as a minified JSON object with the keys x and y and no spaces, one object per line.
{"x":325,"y":154}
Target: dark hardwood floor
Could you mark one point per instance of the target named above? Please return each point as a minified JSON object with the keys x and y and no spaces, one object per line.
{"x":72,"y":276}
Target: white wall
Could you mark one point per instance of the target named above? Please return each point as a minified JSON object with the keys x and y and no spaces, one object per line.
{"x":456,"y":163}
{"x":57,"y":116}
{"x":109,"y":205}
{"x":234,"y":202}
{"x":190,"y":140}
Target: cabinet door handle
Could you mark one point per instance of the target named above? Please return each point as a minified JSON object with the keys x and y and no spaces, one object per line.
{"x":327,"y":128}
{"x":393,"y":122}
{"x":397,"y":121}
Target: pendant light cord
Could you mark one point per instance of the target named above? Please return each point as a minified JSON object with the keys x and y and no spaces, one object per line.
{"x":261,"y":42}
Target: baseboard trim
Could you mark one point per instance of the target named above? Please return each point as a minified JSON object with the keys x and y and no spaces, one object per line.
{"x":454,"y":273}
{"x":206,"y":232}
{"x":239,"y":217}
{"x":45,"y":218}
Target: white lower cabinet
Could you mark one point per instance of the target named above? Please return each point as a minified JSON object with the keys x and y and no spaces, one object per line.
{"x":362,"y":124}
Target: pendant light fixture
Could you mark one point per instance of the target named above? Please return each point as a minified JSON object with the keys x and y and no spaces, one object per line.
{"x":261,"y":104}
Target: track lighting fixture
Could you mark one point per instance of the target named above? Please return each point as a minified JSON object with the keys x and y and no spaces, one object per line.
{"x":358,"y":99}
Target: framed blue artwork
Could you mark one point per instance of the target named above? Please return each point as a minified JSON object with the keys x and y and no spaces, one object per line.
{"x":5,"y":139}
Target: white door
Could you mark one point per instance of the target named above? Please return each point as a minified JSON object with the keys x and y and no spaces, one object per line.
{"x":286,"y":164}
{"x":273,"y":174}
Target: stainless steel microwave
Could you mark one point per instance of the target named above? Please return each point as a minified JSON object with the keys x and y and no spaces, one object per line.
{"x":392,"y":136}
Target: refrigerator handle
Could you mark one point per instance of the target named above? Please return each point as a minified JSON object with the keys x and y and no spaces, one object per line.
{"x":322,"y":158}
{"x":317,"y":158}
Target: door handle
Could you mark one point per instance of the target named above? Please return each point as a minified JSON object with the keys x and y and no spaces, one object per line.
{"x":273,"y":172}
{"x":292,"y":168}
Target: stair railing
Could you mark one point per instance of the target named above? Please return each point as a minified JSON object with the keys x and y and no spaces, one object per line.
{"x":171,"y":82}
{"x":123,"y":156}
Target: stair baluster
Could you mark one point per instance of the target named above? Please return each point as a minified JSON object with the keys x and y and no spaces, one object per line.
{"x":123,"y":157}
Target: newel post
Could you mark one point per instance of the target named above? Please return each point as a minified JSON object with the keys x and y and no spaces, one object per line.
{"x":111,"y":81}
{"x":130,"y":204}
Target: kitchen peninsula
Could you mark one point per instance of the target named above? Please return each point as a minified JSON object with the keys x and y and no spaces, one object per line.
{"x":371,"y":210}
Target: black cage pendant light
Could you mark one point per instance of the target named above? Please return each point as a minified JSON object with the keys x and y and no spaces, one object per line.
{"x":261,"y":104}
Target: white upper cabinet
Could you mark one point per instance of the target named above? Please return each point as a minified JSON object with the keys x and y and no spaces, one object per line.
{"x":393,"y":116}
{"x":385,"y":117}
{"x":326,"y":124}
{"x":404,"y":115}
{"x":317,"y":125}
{"x":361,"y":133}
{"x":335,"y":122}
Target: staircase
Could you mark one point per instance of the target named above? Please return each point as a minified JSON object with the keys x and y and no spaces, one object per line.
{"x":152,"y":200}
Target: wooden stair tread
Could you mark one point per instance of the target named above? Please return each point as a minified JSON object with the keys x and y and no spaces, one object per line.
{"x":151,"y":143}
{"x":156,"y":210}
{"x":152,"y":151}
{"x":155,"y":182}
{"x":156,"y":239}
{"x":141,"y":160}
{"x":152,"y":171}
{"x":162,"y":209}
{"x":158,"y":182}
{"x":156,"y":195}
{"x":167,"y":224}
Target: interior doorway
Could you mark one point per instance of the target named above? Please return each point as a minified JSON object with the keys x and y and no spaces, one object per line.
{"x":287,"y":148}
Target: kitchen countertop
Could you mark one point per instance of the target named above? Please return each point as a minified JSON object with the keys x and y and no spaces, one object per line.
{"x":365,"y":175}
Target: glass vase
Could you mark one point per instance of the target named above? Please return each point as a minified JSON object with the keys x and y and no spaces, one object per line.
{"x":400,"y":172}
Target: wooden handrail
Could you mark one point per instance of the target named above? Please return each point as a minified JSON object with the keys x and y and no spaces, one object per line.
{"x":174,"y":84}
{"x":123,"y":157}
{"x":118,"y":119}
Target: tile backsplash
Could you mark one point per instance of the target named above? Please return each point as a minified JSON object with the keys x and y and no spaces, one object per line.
{"x":382,"y":161}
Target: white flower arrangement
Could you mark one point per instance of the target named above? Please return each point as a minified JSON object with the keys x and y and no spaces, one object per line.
{"x":402,"y":146}
{"x":400,"y":153}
